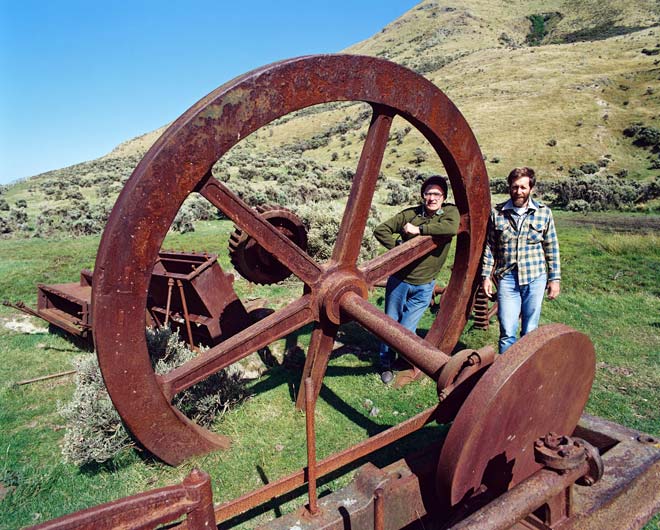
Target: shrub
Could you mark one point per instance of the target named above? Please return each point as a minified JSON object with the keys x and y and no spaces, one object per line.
{"x":499,"y":186}
{"x":648,"y":137}
{"x":183,"y":222}
{"x":643,"y":136}
{"x":398,"y":194}
{"x":589,"y":168}
{"x":323,"y":226}
{"x":601,"y":193}
{"x":94,"y":430}
{"x":4,"y":205}
{"x":419,"y":156}
{"x":21,"y":203}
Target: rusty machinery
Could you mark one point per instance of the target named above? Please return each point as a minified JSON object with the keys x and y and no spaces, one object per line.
{"x":501,"y":456}
{"x":188,"y":291}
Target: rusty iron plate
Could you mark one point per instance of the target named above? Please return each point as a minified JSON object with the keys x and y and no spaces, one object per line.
{"x":540,"y":385}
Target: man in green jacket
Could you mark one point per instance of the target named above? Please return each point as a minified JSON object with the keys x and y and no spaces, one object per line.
{"x":409,"y":290}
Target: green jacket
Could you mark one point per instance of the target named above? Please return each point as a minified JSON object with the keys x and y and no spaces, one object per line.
{"x":443,"y":223}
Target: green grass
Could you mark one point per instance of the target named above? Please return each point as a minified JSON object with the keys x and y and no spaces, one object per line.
{"x":609,"y":291}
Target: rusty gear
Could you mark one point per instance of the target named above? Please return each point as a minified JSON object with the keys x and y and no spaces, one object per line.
{"x":251,"y":260}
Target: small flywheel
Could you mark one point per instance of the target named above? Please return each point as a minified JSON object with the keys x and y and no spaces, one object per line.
{"x":252,"y":261}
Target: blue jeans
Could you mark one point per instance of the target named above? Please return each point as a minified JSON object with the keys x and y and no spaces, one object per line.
{"x":405,"y":303}
{"x":516,"y":301}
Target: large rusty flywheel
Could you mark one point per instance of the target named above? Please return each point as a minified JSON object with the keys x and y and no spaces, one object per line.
{"x":180,"y":163}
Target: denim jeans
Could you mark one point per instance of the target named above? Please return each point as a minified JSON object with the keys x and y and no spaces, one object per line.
{"x":405,"y":303}
{"x":516,"y":301}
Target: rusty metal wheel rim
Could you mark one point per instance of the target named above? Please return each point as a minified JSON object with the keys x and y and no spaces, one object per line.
{"x":180,"y":163}
{"x":540,"y":385}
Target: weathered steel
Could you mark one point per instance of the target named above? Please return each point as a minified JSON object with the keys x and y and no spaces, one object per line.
{"x":484,"y":309}
{"x":251,"y":260}
{"x":180,"y":162}
{"x":626,"y":497}
{"x":332,"y":463}
{"x":193,"y":498}
{"x":206,"y":306}
{"x":522,"y":396}
{"x":311,"y":446}
{"x":514,"y":505}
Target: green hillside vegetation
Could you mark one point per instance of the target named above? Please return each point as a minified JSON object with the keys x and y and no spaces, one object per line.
{"x":570,"y":88}
{"x":552,"y":85}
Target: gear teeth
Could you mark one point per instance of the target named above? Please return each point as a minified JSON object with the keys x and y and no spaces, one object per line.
{"x":248,"y":263}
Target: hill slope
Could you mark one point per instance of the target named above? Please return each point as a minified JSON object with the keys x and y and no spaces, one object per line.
{"x":554,"y":106}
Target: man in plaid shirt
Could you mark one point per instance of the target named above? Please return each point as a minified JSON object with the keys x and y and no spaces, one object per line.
{"x":523,"y":249}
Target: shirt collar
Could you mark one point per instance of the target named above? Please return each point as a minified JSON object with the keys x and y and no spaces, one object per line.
{"x":422,"y":211}
{"x":531,"y":205}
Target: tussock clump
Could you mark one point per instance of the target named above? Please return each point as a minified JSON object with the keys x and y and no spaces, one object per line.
{"x":94,"y":430}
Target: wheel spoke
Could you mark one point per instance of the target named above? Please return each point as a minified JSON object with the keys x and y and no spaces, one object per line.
{"x":235,"y":348}
{"x":386,"y":264}
{"x":349,"y":239}
{"x":318,"y":355}
{"x":264,"y":233}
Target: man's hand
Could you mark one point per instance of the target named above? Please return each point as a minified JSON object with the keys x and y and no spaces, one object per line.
{"x":487,"y":286}
{"x":410,"y":229}
{"x":554,"y":287}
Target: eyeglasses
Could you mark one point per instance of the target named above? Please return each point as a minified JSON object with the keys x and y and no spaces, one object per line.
{"x":432,"y":195}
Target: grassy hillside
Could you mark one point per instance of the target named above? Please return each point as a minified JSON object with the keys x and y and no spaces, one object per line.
{"x":546,"y":84}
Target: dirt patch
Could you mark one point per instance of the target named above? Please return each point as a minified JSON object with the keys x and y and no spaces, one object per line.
{"x":614,"y":222}
{"x":24,"y":325}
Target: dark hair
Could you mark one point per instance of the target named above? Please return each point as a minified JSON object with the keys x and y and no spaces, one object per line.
{"x":436,"y":180}
{"x":521,"y":172}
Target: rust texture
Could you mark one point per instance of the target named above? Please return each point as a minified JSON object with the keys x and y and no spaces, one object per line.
{"x":180,"y":162}
{"x":204,"y":307}
{"x":521,"y":397}
{"x":507,"y":459}
{"x":402,"y":495}
{"x":193,"y":498}
{"x":484,"y":309}
{"x":252,"y":261}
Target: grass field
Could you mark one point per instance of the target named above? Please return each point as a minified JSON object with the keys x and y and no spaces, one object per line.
{"x":610,"y":290}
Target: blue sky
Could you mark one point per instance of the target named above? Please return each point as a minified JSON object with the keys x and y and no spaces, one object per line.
{"x":79,"y":77}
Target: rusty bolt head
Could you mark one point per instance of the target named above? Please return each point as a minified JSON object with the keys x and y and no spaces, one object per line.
{"x":552,"y":441}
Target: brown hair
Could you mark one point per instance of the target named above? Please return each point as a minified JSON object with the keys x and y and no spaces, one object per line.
{"x":521,"y":172}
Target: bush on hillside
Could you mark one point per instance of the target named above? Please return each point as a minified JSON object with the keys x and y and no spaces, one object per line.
{"x":643,"y":136}
{"x":322,"y":226}
{"x":589,"y":168}
{"x":600,"y":193}
{"x":94,"y":430}
{"x":399,"y":194}
{"x":590,"y":192}
{"x":80,"y":218}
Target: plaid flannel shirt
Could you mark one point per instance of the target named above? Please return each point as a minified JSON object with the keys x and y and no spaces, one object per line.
{"x":532,"y":249}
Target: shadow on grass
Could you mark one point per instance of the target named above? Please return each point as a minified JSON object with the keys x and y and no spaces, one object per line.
{"x":429,"y":438}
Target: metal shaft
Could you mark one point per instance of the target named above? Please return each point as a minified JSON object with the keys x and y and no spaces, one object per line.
{"x":311,"y":445}
{"x":427,"y":358}
{"x":515,"y":504}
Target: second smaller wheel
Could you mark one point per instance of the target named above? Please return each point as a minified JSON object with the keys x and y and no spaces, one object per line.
{"x":252,"y":261}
